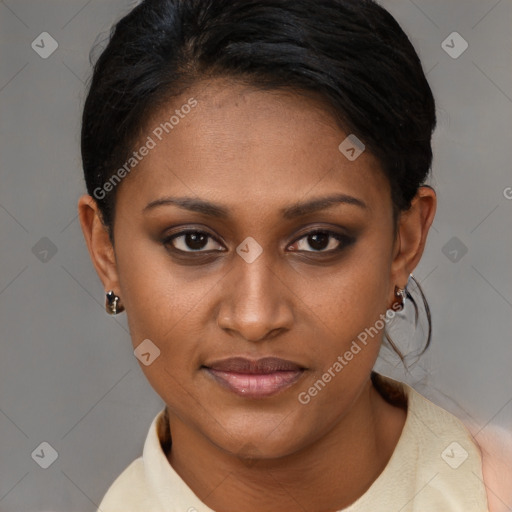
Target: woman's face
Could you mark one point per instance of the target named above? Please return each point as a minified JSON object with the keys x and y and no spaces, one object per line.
{"x":251,"y":283}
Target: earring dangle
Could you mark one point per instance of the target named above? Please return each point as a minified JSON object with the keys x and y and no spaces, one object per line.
{"x":112,"y":305}
{"x":401,"y":292}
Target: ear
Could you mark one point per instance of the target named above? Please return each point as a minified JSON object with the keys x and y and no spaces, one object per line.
{"x":98,"y":242}
{"x":413,"y":228}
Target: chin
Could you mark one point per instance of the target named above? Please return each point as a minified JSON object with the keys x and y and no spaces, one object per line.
{"x":261,"y":438}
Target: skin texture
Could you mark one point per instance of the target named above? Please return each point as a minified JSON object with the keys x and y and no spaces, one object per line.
{"x":256,"y":152}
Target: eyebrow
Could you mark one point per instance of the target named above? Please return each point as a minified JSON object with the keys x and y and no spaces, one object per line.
{"x":290,"y":212}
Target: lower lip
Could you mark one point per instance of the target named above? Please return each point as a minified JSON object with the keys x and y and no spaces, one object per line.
{"x":251,"y":385}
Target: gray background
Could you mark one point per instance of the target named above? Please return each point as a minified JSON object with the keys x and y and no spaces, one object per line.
{"x":68,"y":376}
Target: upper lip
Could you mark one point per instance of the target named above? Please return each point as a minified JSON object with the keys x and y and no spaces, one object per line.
{"x":261,"y":366}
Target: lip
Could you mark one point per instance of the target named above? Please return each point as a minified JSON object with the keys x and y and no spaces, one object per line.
{"x":259,"y":378}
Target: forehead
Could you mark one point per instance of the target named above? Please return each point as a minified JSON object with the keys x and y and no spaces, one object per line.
{"x":242,"y":145}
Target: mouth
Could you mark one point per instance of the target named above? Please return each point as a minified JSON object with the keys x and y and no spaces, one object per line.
{"x":255,"y":378}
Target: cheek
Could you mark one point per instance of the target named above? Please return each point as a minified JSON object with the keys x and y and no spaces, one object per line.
{"x":164,"y":318}
{"x":348,"y":309}
{"x":167,"y":306}
{"x":158,"y":299}
{"x":352,"y":297}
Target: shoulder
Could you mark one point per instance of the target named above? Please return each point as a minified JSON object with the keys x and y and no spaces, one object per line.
{"x":436,"y":465}
{"x":132,"y":491}
{"x":128,"y":491}
{"x":150,"y":483}
{"x":446,"y":460}
{"x":495,"y":442}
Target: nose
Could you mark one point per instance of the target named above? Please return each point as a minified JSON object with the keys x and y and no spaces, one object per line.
{"x":256,"y":304}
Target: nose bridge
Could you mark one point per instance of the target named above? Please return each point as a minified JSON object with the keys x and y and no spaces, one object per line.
{"x":255,"y":302}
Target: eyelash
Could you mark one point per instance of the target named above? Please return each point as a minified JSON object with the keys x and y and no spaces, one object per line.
{"x":344,"y":241}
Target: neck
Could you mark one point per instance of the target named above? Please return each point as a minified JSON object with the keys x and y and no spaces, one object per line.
{"x":327,"y":475}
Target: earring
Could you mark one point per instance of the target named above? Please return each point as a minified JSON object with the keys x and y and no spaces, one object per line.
{"x":401,"y":292}
{"x":112,"y":305}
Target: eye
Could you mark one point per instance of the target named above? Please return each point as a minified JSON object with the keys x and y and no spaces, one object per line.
{"x":319,"y":240}
{"x":191,"y":241}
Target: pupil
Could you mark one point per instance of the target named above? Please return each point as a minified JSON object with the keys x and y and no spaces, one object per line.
{"x":195,"y":240}
{"x":318,"y":241}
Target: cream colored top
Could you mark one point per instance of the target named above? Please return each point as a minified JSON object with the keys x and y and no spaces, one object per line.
{"x":436,"y":467}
